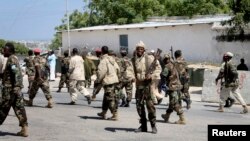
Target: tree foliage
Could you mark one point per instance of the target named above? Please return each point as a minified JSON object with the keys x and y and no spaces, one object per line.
{"x":241,"y":16}
{"x":102,"y":12}
{"x":19,"y":48}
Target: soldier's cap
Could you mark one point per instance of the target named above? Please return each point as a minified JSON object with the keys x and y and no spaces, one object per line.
{"x":98,"y":50}
{"x":229,"y":54}
{"x":166,"y":56}
{"x":37,"y":50}
{"x":140,"y":44}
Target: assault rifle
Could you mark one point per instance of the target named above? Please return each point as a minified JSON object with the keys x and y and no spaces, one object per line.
{"x":172,"y":52}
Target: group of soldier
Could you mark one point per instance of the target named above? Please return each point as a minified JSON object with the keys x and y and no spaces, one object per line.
{"x":149,"y":71}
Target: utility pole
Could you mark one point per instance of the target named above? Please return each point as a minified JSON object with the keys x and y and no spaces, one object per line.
{"x":67,"y":14}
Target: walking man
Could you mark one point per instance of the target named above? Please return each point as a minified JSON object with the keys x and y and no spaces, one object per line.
{"x":41,"y":79}
{"x":230,"y":82}
{"x":65,"y":71}
{"x":107,"y":75}
{"x":171,"y":76}
{"x":77,"y":77}
{"x":11,"y":93}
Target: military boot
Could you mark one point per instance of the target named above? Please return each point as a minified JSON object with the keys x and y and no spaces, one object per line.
{"x":154,"y":129}
{"x":28,"y":102}
{"x":114,"y":116}
{"x":50,"y":103}
{"x":231,"y":102}
{"x":23,"y":132}
{"x":88,"y":99}
{"x":93,"y":97}
{"x":227,"y":103}
{"x":59,"y":90}
{"x":143,"y":127}
{"x":181,"y":120}
{"x":245,"y":110}
{"x":221,"y":109}
{"x":127,"y":104}
{"x":123,"y":102}
{"x":102,"y":114}
{"x":166,"y":117}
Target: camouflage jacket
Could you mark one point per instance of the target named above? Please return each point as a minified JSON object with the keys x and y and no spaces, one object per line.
{"x":172,"y":77}
{"x":182,"y":68}
{"x":43,"y":66}
{"x":127,"y":69}
{"x":65,"y":65}
{"x":89,"y":68}
{"x":12,"y":76}
{"x":30,"y":68}
{"x":228,"y":72}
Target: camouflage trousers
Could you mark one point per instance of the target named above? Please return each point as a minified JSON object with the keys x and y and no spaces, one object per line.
{"x":143,"y":96}
{"x":44,"y":85}
{"x":109,"y":99}
{"x":129,"y":88}
{"x":174,"y":105}
{"x":13,"y":98}
{"x":64,"y":79}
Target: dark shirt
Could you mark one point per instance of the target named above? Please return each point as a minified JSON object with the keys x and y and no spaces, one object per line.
{"x":242,"y":67}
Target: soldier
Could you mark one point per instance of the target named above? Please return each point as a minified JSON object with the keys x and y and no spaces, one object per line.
{"x":230,"y":82}
{"x":30,"y":69}
{"x":65,"y":71}
{"x":141,"y":62}
{"x":97,"y":87}
{"x":41,"y":79}
{"x":127,"y":78}
{"x":77,"y":77}
{"x":107,"y":75}
{"x":182,"y":68}
{"x":172,"y":80}
{"x":89,"y":68}
{"x":11,"y":93}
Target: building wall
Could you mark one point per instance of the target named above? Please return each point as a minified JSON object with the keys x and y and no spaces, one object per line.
{"x":196,"y":41}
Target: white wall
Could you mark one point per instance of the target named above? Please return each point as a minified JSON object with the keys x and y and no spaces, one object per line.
{"x":197,"y":41}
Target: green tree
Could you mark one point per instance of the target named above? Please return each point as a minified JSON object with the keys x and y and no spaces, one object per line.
{"x":19,"y":48}
{"x":241,"y":16}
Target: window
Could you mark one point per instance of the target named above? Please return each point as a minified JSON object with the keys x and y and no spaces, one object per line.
{"x":124,"y":42}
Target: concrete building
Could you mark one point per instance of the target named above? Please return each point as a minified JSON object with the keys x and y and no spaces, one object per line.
{"x":195,"y":37}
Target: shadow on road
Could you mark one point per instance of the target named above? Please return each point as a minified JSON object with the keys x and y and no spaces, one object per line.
{"x":7,"y":133}
{"x":114,"y":129}
{"x":91,"y":117}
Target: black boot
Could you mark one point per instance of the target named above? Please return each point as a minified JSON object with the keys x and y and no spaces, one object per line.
{"x":88,"y":99}
{"x":123,"y":102}
{"x":59,"y":90}
{"x":154,"y":129}
{"x":227,"y":103}
{"x":127,"y":104}
{"x":231,"y":102}
{"x":143,"y":127}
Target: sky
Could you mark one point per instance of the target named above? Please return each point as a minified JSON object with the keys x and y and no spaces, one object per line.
{"x":33,"y":19}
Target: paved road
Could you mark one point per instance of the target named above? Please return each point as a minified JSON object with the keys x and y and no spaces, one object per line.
{"x":80,"y":123}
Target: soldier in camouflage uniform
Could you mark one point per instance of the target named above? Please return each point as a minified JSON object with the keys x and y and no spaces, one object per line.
{"x":182,"y":68}
{"x":30,"y":69}
{"x":107,"y":75}
{"x":230,"y":82}
{"x":127,"y":78}
{"x":90,"y":69}
{"x":141,"y":63}
{"x":173,"y":81}
{"x":11,"y":92}
{"x":65,"y":71}
{"x":41,"y":79}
